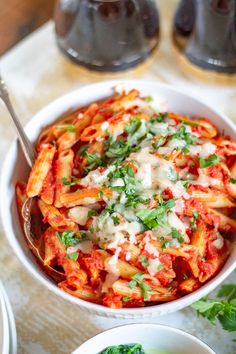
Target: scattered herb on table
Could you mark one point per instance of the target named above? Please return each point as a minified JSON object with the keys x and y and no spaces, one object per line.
{"x":223,"y":308}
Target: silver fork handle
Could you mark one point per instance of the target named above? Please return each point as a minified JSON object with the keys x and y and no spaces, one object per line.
{"x":26,"y":145}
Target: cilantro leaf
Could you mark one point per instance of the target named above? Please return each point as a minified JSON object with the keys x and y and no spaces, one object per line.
{"x":153,"y":218}
{"x":212,"y":160}
{"x":67,"y":182}
{"x":159,"y":142}
{"x":182,"y":134}
{"x":159,"y":118}
{"x":91,"y":213}
{"x":68,"y":127}
{"x":143,"y":260}
{"x":83,"y":150}
{"x":228,"y":318}
{"x":69,"y":238}
{"x":227,"y":290}
{"x":133,"y":125}
{"x":73,"y":256}
{"x":177,"y":235}
{"x":137,"y":279}
{"x":93,"y":160}
{"x":118,"y":149}
{"x":222,"y":309}
{"x":233,"y":180}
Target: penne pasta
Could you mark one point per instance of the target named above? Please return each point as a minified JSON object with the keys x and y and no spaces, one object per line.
{"x":63,"y":167}
{"x":84,"y":196}
{"x":40,"y":170}
{"x":56,"y":219}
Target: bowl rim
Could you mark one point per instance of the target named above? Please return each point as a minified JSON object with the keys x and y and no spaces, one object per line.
{"x":112,"y":331}
{"x":9,"y":232}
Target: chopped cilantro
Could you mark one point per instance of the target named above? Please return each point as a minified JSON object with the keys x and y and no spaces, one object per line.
{"x":182,"y":134}
{"x":68,"y":238}
{"x":149,"y":99}
{"x":185,"y":184}
{"x":133,"y":125}
{"x":116,"y":219}
{"x":100,"y":194}
{"x":137,"y":279}
{"x":160,"y":267}
{"x":94,"y":160}
{"x":83,"y":150}
{"x":126,"y":298}
{"x":212,"y":160}
{"x":68,"y":127}
{"x":159,"y":118}
{"x":177,"y":235}
{"x":158,"y":142}
{"x":143,"y":260}
{"x":73,"y":256}
{"x":67,"y":182}
{"x":193,"y":222}
{"x":92,"y":213}
{"x":232,"y":180}
{"x":118,"y":149}
{"x":152,"y":218}
{"x":165,"y":245}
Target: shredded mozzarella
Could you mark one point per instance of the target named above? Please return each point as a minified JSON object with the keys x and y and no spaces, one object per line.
{"x":104,"y":126}
{"x":153,"y":266}
{"x":79,"y":214}
{"x":85,"y":246}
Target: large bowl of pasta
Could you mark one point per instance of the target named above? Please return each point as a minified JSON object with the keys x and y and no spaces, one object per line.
{"x":134,"y":183}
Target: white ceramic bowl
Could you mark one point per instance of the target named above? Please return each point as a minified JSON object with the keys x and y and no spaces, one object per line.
{"x":4,"y":327}
{"x":15,"y":168}
{"x":11,"y":322}
{"x":167,"y":339}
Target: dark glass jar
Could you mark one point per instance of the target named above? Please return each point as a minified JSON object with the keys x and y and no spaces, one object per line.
{"x":107,"y":35}
{"x":210,"y":39}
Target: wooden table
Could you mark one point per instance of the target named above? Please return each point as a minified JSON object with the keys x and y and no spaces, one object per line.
{"x":18,"y":18}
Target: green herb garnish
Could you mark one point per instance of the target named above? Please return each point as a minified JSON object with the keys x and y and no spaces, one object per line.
{"x":137,"y":279}
{"x":211,"y":161}
{"x":73,"y":256}
{"x":223,"y":308}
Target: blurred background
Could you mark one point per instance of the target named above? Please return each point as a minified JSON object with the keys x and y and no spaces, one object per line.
{"x":18,"y":18}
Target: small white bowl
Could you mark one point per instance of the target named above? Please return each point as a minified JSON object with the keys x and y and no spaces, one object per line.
{"x":4,"y":327}
{"x":11,"y":321}
{"x":167,"y":339}
{"x":15,"y":168}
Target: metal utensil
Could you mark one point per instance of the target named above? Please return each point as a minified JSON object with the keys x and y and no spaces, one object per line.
{"x":34,"y":238}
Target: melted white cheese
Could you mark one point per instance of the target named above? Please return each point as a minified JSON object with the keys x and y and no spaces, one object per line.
{"x":177,"y":144}
{"x":104,"y":126}
{"x":111,"y":264}
{"x":79,"y":214}
{"x":114,"y":235}
{"x":85,"y":246}
{"x":96,"y":177}
{"x":207,"y":149}
{"x":153,"y":266}
{"x":179,"y":190}
{"x":151,"y":249}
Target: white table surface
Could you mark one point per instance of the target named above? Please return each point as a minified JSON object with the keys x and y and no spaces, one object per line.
{"x":36,"y":73}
